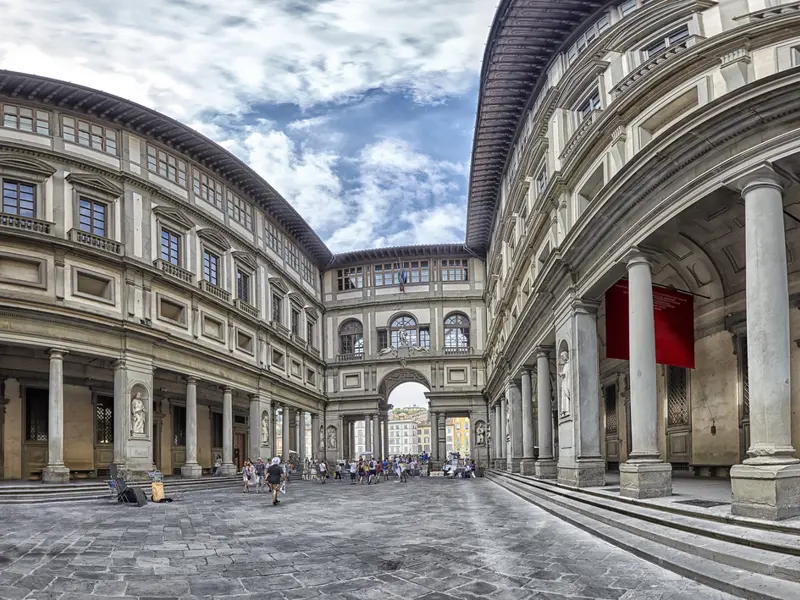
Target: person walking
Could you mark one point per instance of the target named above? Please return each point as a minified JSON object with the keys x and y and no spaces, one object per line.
{"x":323,"y":471}
{"x":247,"y":474}
{"x":260,"y":471}
{"x":274,"y":478}
{"x":353,"y":471}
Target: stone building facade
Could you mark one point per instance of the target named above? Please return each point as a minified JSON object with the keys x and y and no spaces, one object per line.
{"x":164,"y":307}
{"x":655,"y":142}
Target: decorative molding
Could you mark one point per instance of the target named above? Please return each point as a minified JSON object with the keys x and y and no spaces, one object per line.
{"x":27,"y":164}
{"x":173,"y":215}
{"x":214,"y":236}
{"x":95,"y":183}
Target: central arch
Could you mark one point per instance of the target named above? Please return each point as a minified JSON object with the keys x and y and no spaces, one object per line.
{"x":404,"y":375}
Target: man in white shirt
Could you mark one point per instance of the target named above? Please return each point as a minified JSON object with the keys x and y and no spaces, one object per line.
{"x":353,"y":471}
{"x":323,"y":471}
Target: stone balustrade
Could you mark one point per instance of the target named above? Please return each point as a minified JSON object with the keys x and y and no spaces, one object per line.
{"x":174,"y":270}
{"x":95,"y":241}
{"x":215,"y":290}
{"x":25,"y":224}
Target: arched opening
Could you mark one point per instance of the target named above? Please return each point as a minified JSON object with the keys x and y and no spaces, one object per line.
{"x":351,"y":340}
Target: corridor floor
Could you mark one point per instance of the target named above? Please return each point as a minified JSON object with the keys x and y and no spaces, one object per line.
{"x":431,"y":539}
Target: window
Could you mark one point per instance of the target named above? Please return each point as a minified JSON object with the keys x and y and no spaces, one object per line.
{"x":588,"y":106}
{"x":211,"y":267}
{"x":104,"y":420}
{"x":36,"y":415}
{"x":417,"y":271}
{"x":658,"y":46}
{"x":383,"y":339}
{"x":456,"y":332}
{"x":592,"y":32}
{"x":92,"y":216}
{"x":307,"y":271}
{"x":295,"y":321}
{"x":277,"y":314}
{"x":403,"y":332}
{"x":243,"y":285}
{"x":389,"y":274}
{"x":351,"y":278}
{"x":271,"y":237}
{"x":425,"y":337}
{"x":178,"y":425}
{"x":26,"y":119}
{"x":216,"y":430}
{"x":351,"y":338}
{"x":166,"y":165}
{"x":310,"y":332}
{"x":627,"y":7}
{"x":240,"y":211}
{"x":455,"y":269}
{"x":170,"y":247}
{"x":292,"y":256}
{"x":19,"y":198}
{"x":90,"y":135}
{"x":540,"y":183}
{"x":207,"y":188}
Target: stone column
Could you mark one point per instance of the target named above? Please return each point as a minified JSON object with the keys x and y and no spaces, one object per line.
{"x":385,"y":439}
{"x":766,"y":485}
{"x":526,"y":466}
{"x":376,"y":441}
{"x":190,"y":468}
{"x":502,"y":457}
{"x":351,"y":446}
{"x":644,"y":475}
{"x":286,"y":433}
{"x":493,"y":435}
{"x":55,"y":471}
{"x":255,"y":429}
{"x":120,"y":414}
{"x":434,"y":437}
{"x":228,"y":467}
{"x":545,"y":467}
{"x":299,"y":438}
{"x":514,"y":403}
{"x":315,"y":436}
{"x":442,"y":426}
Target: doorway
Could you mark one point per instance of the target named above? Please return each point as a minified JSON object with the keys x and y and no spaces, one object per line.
{"x":679,"y":421}
{"x":239,"y":445}
{"x":612,"y":427}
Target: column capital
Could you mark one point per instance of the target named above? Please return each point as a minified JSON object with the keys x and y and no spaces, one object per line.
{"x":191,"y":380}
{"x":635,"y":257}
{"x":543,"y":351}
{"x":227,"y":389}
{"x":57,"y":352}
{"x":761,"y":176}
{"x":254,"y":397}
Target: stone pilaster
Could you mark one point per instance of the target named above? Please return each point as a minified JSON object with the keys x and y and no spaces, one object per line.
{"x":766,"y":486}
{"x":56,"y":471}
{"x":526,"y":466}
{"x":228,"y":467}
{"x":545,"y":467}
{"x":286,"y":433}
{"x":644,"y":475}
{"x":502,"y":442}
{"x":434,"y":437}
{"x":514,"y":423}
{"x":386,"y":437}
{"x":191,"y":469}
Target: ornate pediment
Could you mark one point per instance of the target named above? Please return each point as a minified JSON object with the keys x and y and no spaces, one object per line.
{"x":173,"y":215}
{"x":215,"y":237}
{"x":95,"y":184}
{"x":246,"y":259}
{"x":278,"y":283}
{"x":21,"y":163}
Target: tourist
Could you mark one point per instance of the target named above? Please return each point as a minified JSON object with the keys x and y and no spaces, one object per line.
{"x":363,"y":471}
{"x":378,"y":471}
{"x":373,"y":471}
{"x":274,"y":476}
{"x":323,"y":471}
{"x":353,"y":471}
{"x":385,"y":469}
{"x":218,"y":466}
{"x":247,"y":475}
{"x":260,"y":471}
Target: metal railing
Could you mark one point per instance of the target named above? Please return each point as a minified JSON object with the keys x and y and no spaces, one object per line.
{"x":95,"y":241}
{"x":350,"y":356}
{"x":174,"y":270}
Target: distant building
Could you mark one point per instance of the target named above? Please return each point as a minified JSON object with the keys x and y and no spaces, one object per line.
{"x":403,"y":437}
{"x":424,"y":438}
{"x":458,"y":435}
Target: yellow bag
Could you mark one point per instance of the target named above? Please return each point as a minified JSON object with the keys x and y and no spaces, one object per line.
{"x":158,"y":491}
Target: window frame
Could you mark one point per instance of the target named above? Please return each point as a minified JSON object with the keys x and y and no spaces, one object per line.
{"x":310,"y":329}
{"x":97,"y":136}
{"x":657,"y":45}
{"x":214,"y":190}
{"x":155,"y":162}
{"x":345,"y":278}
{"x":34,"y":117}
{"x":220,"y":274}
{"x":243,"y":274}
{"x":4,"y":181}
{"x":461,"y":330}
{"x":291,"y":254}
{"x":104,"y":436}
{"x":590,"y":102}
{"x":239,"y":209}
{"x":171,"y":232}
{"x":81,"y":198}
{"x":294,"y":319}
{"x":450,"y":267}
{"x":351,"y":338}
{"x":272,"y":236}
{"x":276,"y":305}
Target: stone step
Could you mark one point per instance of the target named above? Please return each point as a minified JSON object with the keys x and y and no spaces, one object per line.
{"x":87,"y":492}
{"x":731,"y":567}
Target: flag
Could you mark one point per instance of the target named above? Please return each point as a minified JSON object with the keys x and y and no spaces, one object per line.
{"x":403,"y":277}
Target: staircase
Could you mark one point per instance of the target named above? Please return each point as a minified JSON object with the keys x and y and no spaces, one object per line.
{"x":746,"y":558}
{"x":40,"y":493}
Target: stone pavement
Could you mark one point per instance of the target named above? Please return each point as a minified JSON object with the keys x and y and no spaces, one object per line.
{"x":431,"y":539}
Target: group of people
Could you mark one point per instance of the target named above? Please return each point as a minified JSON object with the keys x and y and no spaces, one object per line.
{"x":265,"y":477}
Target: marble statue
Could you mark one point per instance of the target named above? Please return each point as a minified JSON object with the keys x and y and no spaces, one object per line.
{"x":508,"y":422}
{"x":321,"y":438}
{"x":137,"y":414}
{"x":480,"y":434}
{"x":566,"y":382}
{"x":265,"y":429}
{"x":331,"y":437}
{"x":402,"y":336}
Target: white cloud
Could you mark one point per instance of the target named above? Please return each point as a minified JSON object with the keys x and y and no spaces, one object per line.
{"x":209,"y":63}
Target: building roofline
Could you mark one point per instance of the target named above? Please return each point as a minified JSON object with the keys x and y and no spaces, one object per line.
{"x":398,"y":252}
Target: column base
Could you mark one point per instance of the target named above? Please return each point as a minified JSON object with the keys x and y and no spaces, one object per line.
{"x":132,"y":472}
{"x":225,"y":470}
{"x":191,"y":471}
{"x":766,"y":491}
{"x":645,"y":479}
{"x":546,"y":468}
{"x":55,"y":474}
{"x":527,"y":466}
{"x":500,"y":464}
{"x":583,"y":473}
{"x":513,"y":465}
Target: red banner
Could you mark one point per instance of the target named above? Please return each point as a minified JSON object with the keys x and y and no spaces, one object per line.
{"x":674,"y":325}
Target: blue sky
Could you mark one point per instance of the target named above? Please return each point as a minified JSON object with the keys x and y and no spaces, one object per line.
{"x":360,"y":112}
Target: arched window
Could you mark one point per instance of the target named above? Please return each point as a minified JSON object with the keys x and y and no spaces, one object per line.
{"x":351,"y":340}
{"x":403,"y":323}
{"x":456,"y":334}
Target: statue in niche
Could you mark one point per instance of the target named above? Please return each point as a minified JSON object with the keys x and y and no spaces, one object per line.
{"x":566,"y":382}
{"x":331,"y":437}
{"x":402,"y":337}
{"x":321,"y":438}
{"x":480,"y":434}
{"x":508,"y":422}
{"x":265,"y":429}
{"x":138,"y":415}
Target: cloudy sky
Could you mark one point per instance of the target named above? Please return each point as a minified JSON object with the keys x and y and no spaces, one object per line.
{"x":360,"y":112}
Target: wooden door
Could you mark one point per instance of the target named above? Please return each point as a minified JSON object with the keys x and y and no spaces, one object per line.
{"x":239,"y":444}
{"x":612,"y":427}
{"x":679,"y":418}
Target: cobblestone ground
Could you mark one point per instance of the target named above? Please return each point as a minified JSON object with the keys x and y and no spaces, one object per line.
{"x":430,"y":539}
